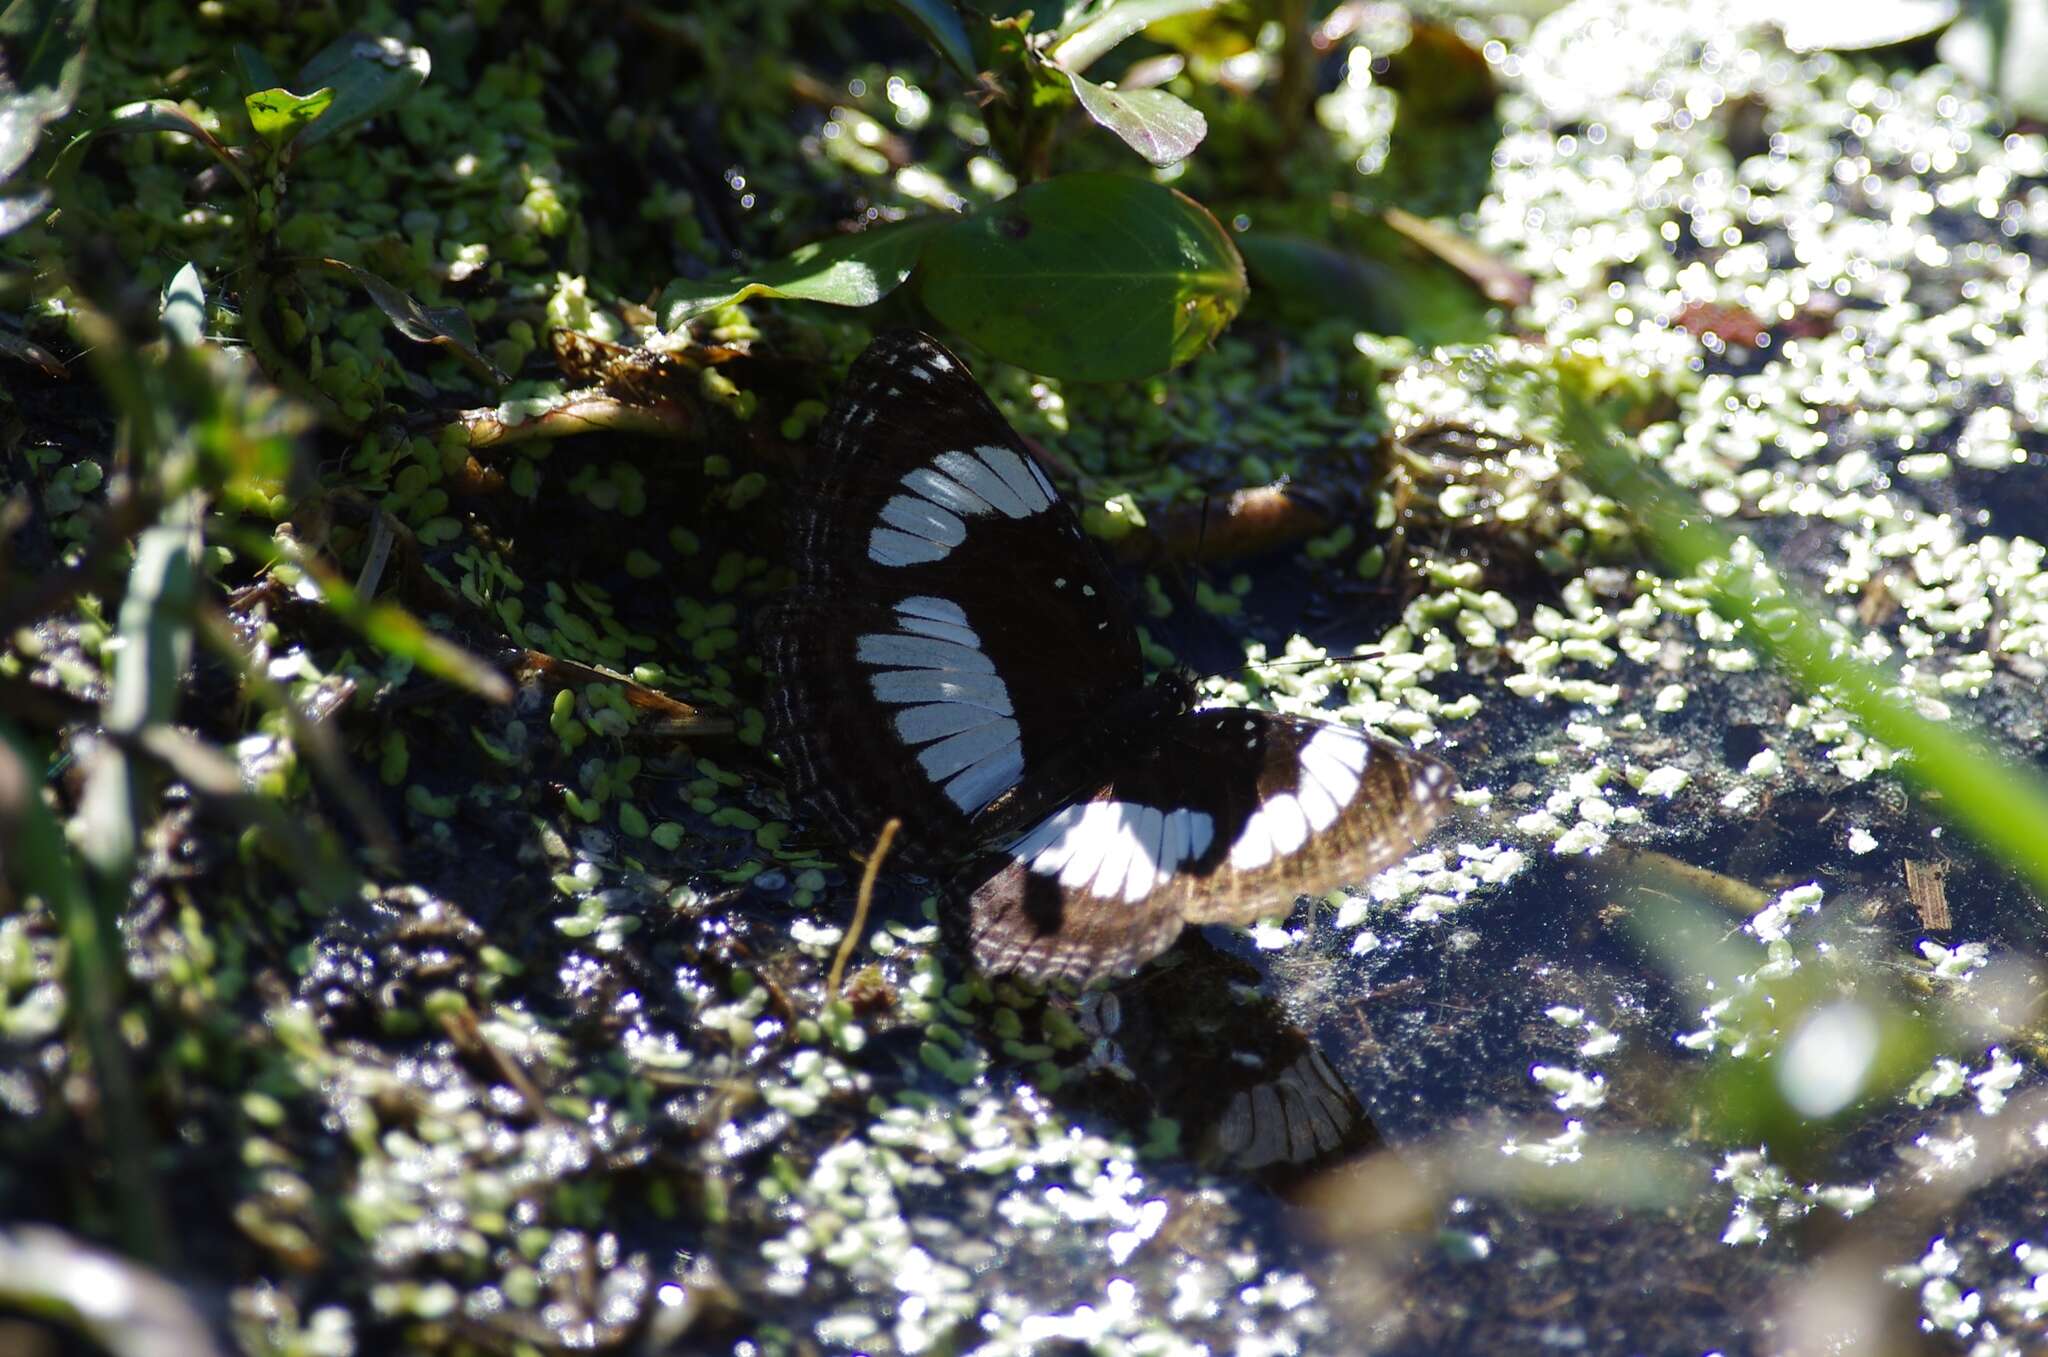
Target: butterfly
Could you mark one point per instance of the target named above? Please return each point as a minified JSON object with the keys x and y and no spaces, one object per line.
{"x":954,"y":653}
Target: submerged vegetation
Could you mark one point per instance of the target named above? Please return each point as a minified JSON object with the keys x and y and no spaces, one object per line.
{"x":405,"y":945}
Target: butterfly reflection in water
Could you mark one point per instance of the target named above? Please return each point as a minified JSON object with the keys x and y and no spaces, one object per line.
{"x":955,"y":654}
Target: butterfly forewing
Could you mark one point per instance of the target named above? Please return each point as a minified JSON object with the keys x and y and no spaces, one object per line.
{"x":951,"y":628}
{"x":1225,"y":817}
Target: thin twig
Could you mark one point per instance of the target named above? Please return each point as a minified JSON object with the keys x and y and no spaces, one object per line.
{"x":381,"y":538}
{"x":1647,"y":869}
{"x":583,"y":413}
{"x":675,"y":718}
{"x":1241,"y":523}
{"x":468,"y":1035}
{"x":860,"y":908}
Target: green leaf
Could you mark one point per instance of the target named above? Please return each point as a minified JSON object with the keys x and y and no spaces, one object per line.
{"x":857,"y":270}
{"x":155,"y":624}
{"x":369,"y":75}
{"x":939,"y":23}
{"x":1210,"y":36}
{"x":1092,"y":277}
{"x":1859,"y":26}
{"x":148,"y":115}
{"x":184,"y":306}
{"x":156,"y":648}
{"x":253,"y":69}
{"x":447,"y":326}
{"x":21,"y":209}
{"x":394,"y":630}
{"x":1102,"y":30}
{"x":245,"y":436}
{"x":42,"y":62}
{"x":385,"y":625}
{"x":278,"y":115}
{"x":35,"y":855}
{"x":1098,"y":276}
{"x":2001,"y":803}
{"x":1158,"y":126}
{"x":2002,"y":48}
{"x":32,"y":846}
{"x":1388,"y":285}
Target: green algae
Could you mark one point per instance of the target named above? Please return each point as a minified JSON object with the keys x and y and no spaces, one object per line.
{"x":431,"y":1147}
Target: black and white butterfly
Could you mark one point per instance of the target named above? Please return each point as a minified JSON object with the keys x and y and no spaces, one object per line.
{"x":955,"y":654}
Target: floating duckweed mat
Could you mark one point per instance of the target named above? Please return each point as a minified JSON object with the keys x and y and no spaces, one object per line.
{"x":405,"y":945}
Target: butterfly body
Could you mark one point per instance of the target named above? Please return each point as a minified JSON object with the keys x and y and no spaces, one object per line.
{"x":955,"y":654}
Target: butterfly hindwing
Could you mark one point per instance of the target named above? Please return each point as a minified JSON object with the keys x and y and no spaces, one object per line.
{"x":1226,"y":817}
{"x":951,"y":627}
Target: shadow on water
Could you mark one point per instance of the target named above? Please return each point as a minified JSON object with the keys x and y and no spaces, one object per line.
{"x":1198,"y":1038}
{"x":1426,"y":1042}
{"x":1302,"y":1080}
{"x":1321,"y":1093}
{"x":1439,"y":1027}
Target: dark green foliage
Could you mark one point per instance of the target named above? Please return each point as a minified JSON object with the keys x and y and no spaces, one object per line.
{"x":1087,"y":276}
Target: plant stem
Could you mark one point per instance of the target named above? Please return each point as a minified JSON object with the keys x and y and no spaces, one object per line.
{"x":2000,"y":803}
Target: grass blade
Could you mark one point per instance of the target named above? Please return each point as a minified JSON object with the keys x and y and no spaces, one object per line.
{"x":2000,"y":803}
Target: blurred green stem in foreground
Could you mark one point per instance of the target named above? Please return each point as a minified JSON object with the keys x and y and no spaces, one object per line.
{"x":41,"y":863}
{"x":2000,"y":803}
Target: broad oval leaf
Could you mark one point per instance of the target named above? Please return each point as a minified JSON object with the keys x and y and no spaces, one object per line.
{"x":1091,"y":277}
{"x":253,"y":69}
{"x":369,"y":75}
{"x":1859,"y":25}
{"x":940,"y":24}
{"x":183,"y":312}
{"x":42,"y":61}
{"x":148,"y":115}
{"x":278,"y":115}
{"x":18,"y":210}
{"x":1389,"y":286}
{"x":856,"y":270}
{"x":1158,"y":126}
{"x":1101,"y":30}
{"x":2003,"y":53}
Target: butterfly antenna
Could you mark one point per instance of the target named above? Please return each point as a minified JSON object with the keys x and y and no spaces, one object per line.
{"x":1305,"y":662}
{"x":1180,"y":573}
{"x":1310,"y":662}
{"x":1177,"y":568}
{"x":866,"y":898}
